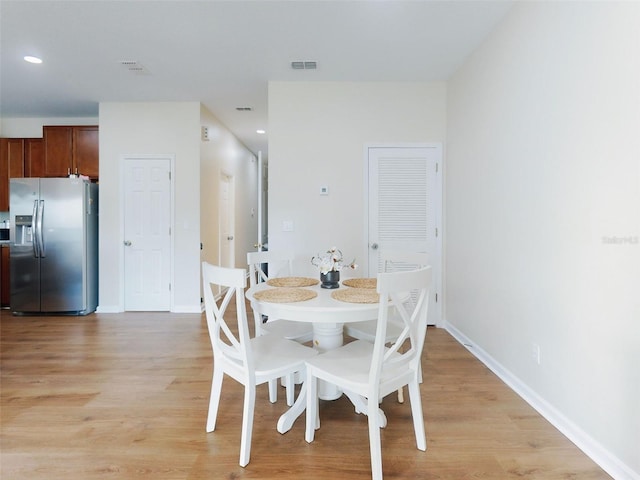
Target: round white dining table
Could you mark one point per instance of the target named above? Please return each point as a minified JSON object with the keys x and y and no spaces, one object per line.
{"x":328,"y":316}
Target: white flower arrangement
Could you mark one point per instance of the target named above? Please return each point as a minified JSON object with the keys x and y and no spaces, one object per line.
{"x":332,"y":261}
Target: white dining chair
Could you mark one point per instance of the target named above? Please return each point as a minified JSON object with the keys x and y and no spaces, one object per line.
{"x":370,"y":371}
{"x":390,"y":261}
{"x":272,"y":264}
{"x":250,"y":361}
{"x":268,"y":264}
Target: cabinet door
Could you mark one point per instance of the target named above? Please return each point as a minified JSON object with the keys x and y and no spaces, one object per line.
{"x":33,"y":157}
{"x":11,"y":166}
{"x":58,"y":150}
{"x":85,"y":151}
{"x":4,"y":175}
{"x":15,"y":155}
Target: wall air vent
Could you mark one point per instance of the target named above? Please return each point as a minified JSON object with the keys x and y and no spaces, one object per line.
{"x":244,"y":109}
{"x":134,"y":67}
{"x":304,"y":65}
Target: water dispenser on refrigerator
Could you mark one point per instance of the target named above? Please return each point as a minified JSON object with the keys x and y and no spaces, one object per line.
{"x":24,"y":230}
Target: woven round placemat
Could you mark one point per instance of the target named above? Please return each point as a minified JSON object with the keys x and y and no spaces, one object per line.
{"x":361,"y":282}
{"x":292,"y":282}
{"x":356,"y":295}
{"x":285,"y":295}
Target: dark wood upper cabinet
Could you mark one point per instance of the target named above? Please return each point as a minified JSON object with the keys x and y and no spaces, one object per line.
{"x":71,"y":149}
{"x":63,"y":150}
{"x":58,"y":150}
{"x":4,"y":176}
{"x":85,"y":151}
{"x":15,"y":157}
{"x":33,"y":157}
{"x":11,"y":166}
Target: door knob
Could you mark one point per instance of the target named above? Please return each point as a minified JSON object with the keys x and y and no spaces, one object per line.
{"x":127,"y":243}
{"x":230,"y":237}
{"x":374,"y":246}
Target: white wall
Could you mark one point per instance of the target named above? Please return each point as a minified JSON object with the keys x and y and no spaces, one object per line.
{"x":31,"y":127}
{"x":317,"y":134}
{"x":543,"y":215}
{"x":151,"y":128}
{"x":224,"y":153}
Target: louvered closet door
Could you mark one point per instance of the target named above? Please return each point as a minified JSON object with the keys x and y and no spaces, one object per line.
{"x":404,"y":206}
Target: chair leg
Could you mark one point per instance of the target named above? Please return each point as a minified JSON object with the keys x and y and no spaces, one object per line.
{"x":214,"y":399}
{"x":401,"y":389}
{"x":247,"y":424}
{"x":273,"y":391}
{"x":312,"y":418}
{"x":290,"y":387}
{"x":416,"y":413}
{"x":374,"y":440}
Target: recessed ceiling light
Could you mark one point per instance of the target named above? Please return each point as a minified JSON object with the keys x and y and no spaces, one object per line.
{"x":31,"y":59}
{"x":261,"y":132}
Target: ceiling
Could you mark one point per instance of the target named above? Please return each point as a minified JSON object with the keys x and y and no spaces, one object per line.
{"x":223,"y":53}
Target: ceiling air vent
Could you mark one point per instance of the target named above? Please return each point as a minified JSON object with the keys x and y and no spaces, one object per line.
{"x":303,"y":65}
{"x":244,"y":109}
{"x":134,"y":67}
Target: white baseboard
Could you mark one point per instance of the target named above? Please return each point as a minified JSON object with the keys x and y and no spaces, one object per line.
{"x":186,"y":309}
{"x":594,"y":450}
{"x":176,"y":309}
{"x":108,"y":309}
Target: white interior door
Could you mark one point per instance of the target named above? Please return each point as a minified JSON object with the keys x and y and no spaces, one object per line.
{"x":226,"y":216}
{"x":147,"y":234}
{"x":404,"y":203}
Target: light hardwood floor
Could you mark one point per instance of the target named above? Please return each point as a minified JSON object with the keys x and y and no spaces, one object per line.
{"x":125,"y":397}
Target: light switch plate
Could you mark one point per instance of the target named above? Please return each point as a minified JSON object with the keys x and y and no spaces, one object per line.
{"x":287,"y":226}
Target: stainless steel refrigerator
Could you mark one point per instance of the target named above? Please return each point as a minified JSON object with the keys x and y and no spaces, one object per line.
{"x":53,"y":246}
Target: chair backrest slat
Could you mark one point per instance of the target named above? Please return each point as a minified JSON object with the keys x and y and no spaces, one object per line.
{"x":234,"y":281}
{"x":277,"y":263}
{"x":263,"y":266}
{"x":394,"y":288}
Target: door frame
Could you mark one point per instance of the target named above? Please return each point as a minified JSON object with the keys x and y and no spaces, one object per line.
{"x":147,"y":156}
{"x":438,"y":264}
{"x":230,"y":213}
{"x":263,"y":213}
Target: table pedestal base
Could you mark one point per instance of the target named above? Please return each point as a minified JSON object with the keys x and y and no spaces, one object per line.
{"x":286,"y":420}
{"x":328,"y":336}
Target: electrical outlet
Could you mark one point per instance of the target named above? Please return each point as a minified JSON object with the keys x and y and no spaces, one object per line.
{"x":535,"y":353}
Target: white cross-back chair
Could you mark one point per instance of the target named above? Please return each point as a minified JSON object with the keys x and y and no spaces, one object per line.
{"x":373,"y":370}
{"x":277,"y":264}
{"x":273,"y":264}
{"x":390,"y":261}
{"x":250,"y":361}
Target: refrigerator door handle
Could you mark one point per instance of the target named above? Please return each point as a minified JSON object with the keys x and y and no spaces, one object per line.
{"x":40,"y":234}
{"x":34,"y":229}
